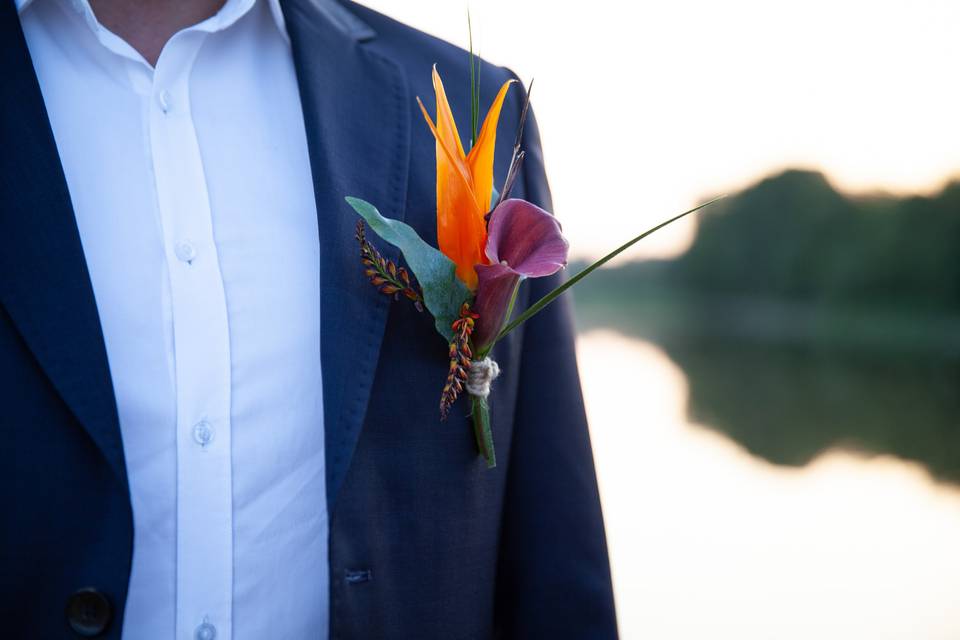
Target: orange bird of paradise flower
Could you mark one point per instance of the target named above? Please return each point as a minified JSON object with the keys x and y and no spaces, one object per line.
{"x":464,"y":184}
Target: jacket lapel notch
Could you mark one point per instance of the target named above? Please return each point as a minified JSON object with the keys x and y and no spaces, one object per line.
{"x":357,"y":118}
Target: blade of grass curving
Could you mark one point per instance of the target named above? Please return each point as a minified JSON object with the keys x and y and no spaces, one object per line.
{"x":477,"y":59}
{"x":474,"y":88}
{"x":553,"y":295}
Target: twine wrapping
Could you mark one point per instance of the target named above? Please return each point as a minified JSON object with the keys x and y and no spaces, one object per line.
{"x":480,"y":375}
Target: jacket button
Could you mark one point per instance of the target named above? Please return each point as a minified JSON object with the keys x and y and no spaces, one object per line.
{"x":88,"y":612}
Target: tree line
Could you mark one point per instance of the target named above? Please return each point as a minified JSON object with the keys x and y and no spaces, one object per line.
{"x":794,"y":236}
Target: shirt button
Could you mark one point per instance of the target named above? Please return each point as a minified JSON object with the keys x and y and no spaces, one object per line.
{"x":206,"y":631}
{"x":165,"y":100}
{"x":185,"y":251}
{"x":203,"y":433}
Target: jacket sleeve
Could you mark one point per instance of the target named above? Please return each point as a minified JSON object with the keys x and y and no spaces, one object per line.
{"x":554,"y":573}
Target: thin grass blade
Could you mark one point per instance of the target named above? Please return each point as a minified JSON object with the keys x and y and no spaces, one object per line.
{"x":553,"y":295}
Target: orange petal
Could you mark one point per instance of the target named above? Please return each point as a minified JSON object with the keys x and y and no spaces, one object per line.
{"x":461,"y":230}
{"x":446,"y":126}
{"x":444,"y":151}
{"x":480,"y":159}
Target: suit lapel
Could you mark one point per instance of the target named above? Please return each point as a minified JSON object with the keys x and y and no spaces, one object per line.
{"x":45,"y":287}
{"x":356,"y":111}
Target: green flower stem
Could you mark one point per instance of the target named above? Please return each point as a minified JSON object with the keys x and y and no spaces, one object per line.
{"x":482,"y":430}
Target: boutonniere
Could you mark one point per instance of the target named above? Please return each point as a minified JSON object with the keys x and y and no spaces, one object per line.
{"x":489,"y":243}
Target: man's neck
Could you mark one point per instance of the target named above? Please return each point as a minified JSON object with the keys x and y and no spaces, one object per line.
{"x":147,"y":25}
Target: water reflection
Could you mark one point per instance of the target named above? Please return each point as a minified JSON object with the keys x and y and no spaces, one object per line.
{"x":788,"y":397}
{"x":710,"y":541}
{"x":791,"y":404}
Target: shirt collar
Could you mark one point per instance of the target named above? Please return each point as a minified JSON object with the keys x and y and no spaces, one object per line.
{"x":231,"y":11}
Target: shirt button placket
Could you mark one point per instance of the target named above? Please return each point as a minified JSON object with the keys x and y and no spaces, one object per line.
{"x":165,"y":101}
{"x":201,"y":352}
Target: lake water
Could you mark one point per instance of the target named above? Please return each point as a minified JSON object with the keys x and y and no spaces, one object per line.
{"x":710,"y":541}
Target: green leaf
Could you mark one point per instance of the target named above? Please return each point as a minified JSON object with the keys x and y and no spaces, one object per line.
{"x":538,"y":306}
{"x":443,"y":292}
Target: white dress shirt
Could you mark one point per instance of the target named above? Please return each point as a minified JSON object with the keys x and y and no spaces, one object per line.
{"x":193,"y":196}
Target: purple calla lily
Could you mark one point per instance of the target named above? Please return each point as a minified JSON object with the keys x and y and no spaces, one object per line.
{"x":523,"y":241}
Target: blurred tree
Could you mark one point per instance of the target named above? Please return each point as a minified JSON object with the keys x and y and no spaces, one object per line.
{"x":793,"y":235}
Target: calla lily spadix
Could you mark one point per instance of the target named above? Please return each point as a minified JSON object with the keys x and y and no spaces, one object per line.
{"x":464,"y":184}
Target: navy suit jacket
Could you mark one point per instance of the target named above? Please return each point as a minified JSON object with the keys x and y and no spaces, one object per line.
{"x":425,"y":541}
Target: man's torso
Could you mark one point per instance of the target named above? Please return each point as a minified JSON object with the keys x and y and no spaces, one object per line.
{"x":191,"y":188}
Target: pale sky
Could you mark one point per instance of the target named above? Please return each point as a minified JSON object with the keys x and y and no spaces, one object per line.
{"x":646,"y":107}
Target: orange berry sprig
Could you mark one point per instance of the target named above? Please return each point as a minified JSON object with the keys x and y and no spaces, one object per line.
{"x":384,"y":274}
{"x":461,"y":356}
